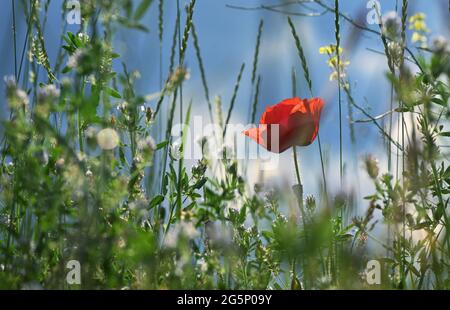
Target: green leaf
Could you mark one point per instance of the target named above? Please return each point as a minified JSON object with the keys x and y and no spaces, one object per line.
{"x":200,"y":183}
{"x":190,"y":206}
{"x":295,"y":284}
{"x":438,"y":101}
{"x":277,"y":286}
{"x":133,"y":25}
{"x":156,"y":201}
{"x":66,"y":70}
{"x":165,"y":183}
{"x":422,"y":225}
{"x":161,"y":145}
{"x":142,"y":9}
{"x":185,"y":128}
{"x":113,"y":93}
{"x":403,"y":109}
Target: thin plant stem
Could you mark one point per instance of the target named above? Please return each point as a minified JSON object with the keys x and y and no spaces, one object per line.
{"x":14,"y":36}
{"x":324,"y":179}
{"x":338,"y":43}
{"x":297,"y":168}
{"x":79,"y":121}
{"x":180,"y":62}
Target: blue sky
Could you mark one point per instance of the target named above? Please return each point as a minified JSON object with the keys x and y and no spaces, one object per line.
{"x":227,"y":38}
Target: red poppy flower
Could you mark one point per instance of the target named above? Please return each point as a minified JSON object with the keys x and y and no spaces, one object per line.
{"x":297,"y":120}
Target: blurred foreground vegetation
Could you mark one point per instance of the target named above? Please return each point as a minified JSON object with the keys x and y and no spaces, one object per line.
{"x":89,"y":172}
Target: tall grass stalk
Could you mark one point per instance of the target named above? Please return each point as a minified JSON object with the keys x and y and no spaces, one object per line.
{"x":403,"y":42}
{"x":202,"y":72}
{"x":255,"y":100}
{"x":161,"y":37}
{"x":171,"y":108}
{"x":254,"y":93}
{"x":307,"y":77}
{"x":233,"y":99}
{"x":156,"y":171}
{"x":181,"y":57}
{"x":183,"y":46}
{"x":255,"y":67}
{"x":171,"y":62}
{"x":13,"y":210}
{"x":13,"y":5}
{"x":129,"y":235}
{"x":257,"y":47}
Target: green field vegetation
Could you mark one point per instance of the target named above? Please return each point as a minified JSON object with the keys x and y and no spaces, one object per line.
{"x":89,"y":170}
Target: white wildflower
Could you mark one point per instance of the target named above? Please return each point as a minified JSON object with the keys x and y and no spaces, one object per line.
{"x":122,"y":107}
{"x":48,"y":93}
{"x":391,"y":24}
{"x":81,"y":156}
{"x":66,"y":82}
{"x":171,"y":239}
{"x":147,"y":144}
{"x":137,"y":159}
{"x":440,"y":44}
{"x":22,"y":97}
{"x":74,"y":59}
{"x":136,"y":74}
{"x":189,"y":230}
{"x":60,"y":163}
{"x":175,"y":150}
{"x":203,"y":265}
{"x":10,"y":82}
{"x":108,"y":139}
{"x":182,"y":229}
{"x":84,"y":37}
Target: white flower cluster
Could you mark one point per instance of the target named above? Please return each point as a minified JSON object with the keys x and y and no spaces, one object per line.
{"x":48,"y":93}
{"x":16,"y":96}
{"x":186,"y":229}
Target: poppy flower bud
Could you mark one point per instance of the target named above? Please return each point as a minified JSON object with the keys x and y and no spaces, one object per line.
{"x":372,"y":166}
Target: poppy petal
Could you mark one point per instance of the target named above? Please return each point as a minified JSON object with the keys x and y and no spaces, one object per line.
{"x":291,"y":122}
{"x":278,"y":113}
